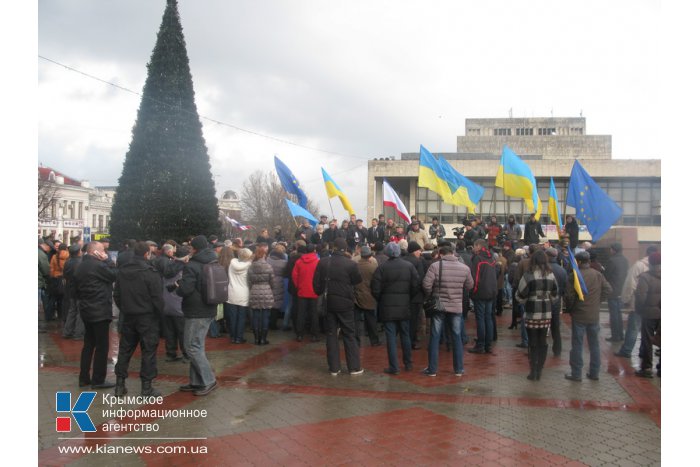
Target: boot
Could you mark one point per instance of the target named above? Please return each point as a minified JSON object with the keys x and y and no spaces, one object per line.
{"x":120,"y":388}
{"x":532,"y":358}
{"x":148,"y":390}
{"x":263,"y":338}
{"x":256,"y":335}
{"x":540,"y":361}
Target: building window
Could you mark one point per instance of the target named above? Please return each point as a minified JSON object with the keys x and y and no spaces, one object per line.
{"x":546,"y":131}
{"x":576,"y":131}
{"x":474,"y":132}
{"x":80,"y":210}
{"x":501,"y":131}
{"x":94,"y":221}
{"x":524,"y":132}
{"x":106,"y":222}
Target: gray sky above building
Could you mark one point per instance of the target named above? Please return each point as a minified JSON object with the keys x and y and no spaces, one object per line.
{"x":357,"y":80}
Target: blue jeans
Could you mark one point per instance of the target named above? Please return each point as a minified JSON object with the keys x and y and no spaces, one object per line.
{"x":484,"y":324}
{"x":390,"y":330}
{"x":633,"y":324}
{"x":576,"y":355}
{"x":196,"y":329}
{"x":615,"y":307}
{"x":235,"y":316}
{"x":453,"y":320}
{"x":260,"y":320}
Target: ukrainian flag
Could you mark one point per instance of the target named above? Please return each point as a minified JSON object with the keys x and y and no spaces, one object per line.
{"x":516,"y":179}
{"x":553,"y":208}
{"x":579,"y":284}
{"x":432,"y":176}
{"x":464,"y":191}
{"x":332,"y":189}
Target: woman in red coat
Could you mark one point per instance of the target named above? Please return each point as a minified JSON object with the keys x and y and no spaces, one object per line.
{"x":302,"y":276}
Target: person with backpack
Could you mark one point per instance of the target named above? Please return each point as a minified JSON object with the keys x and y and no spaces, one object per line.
{"x":198,"y":316}
{"x":261,"y":281}
{"x":483,"y":270}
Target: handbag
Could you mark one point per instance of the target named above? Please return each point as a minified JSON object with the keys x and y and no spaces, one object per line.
{"x":432,"y":305}
{"x":323,"y":299}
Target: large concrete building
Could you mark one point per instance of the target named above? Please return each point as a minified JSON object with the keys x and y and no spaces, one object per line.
{"x":549,"y":146}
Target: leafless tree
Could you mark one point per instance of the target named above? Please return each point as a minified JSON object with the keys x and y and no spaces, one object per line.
{"x":47,"y":194}
{"x":262,"y":200}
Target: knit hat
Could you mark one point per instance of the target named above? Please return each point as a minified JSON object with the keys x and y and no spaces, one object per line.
{"x":413,"y":246}
{"x":199,"y":243}
{"x":365,"y":251}
{"x":392,"y":250}
{"x":340,"y":244}
{"x":654,"y":259}
{"x":403,"y":244}
{"x":378,"y":246}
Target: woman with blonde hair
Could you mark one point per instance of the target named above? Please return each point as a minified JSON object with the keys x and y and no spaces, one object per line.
{"x":236,"y":307}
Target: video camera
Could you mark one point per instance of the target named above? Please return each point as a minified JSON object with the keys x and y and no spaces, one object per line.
{"x":459,"y":232}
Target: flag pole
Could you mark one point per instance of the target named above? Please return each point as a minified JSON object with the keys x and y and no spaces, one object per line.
{"x":329,"y":204}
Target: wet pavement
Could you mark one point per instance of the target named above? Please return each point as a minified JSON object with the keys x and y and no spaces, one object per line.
{"x":278,"y":405}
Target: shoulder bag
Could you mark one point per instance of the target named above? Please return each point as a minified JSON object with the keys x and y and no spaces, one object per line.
{"x":432,"y":305}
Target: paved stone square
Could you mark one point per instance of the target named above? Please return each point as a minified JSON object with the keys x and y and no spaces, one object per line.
{"x":278,"y":405}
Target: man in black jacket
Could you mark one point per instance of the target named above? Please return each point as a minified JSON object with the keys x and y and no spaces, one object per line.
{"x":415,"y":257}
{"x":93,"y":284}
{"x":340,"y":274}
{"x":483,"y":269}
{"x":375,"y":233}
{"x":394,"y":283}
{"x":533,"y":231}
{"x":139,"y":295}
{"x":616,"y":273}
{"x":198,"y":318}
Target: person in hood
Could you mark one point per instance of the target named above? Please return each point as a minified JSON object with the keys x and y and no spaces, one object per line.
{"x":484,"y":273}
{"x":138,"y":292}
{"x":236,"y":307}
{"x":303,"y":275}
{"x":198,"y":318}
{"x":571,"y":228}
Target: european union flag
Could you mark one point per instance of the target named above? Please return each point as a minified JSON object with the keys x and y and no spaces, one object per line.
{"x":593,"y":206}
{"x":289,"y":182}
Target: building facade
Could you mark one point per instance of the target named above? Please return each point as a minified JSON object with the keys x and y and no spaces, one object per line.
{"x":549,"y":146}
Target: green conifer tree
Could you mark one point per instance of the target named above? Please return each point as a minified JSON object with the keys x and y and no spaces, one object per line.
{"x":166,"y":189}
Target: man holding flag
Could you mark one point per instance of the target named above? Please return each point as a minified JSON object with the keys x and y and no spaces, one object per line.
{"x":584,"y":293}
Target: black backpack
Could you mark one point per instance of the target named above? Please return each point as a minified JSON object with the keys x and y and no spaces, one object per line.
{"x":214,"y":283}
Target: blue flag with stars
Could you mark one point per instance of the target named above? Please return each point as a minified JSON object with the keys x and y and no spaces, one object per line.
{"x":593,"y":206}
{"x":289,"y":182}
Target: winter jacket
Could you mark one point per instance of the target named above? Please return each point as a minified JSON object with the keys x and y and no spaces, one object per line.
{"x":393,"y":285}
{"x":571,"y":228}
{"x":124,"y":257}
{"x":93,"y":281}
{"x":343,"y":275}
{"x":69,"y":275}
{"x":303,"y":275}
{"x":513,"y":231}
{"x":238,"y":290}
{"x":630,"y":285}
{"x":537,"y":292}
{"x":138,"y":289}
{"x":291,"y":262}
{"x":44,"y":269}
{"x":193,"y":304}
{"x":616,"y":273}
{"x":363,"y":290}
{"x":329,"y":235}
{"x":561,"y":277}
{"x":278,"y":263}
{"x":436,"y":231}
{"x":58,"y":262}
{"x":261,"y":280}
{"x":375,"y":234}
{"x":356,"y":236}
{"x":172,"y":302}
{"x":533,"y":232}
{"x":502,"y":268}
{"x":167,"y":266}
{"x":493,"y":230}
{"x":420,"y":265}
{"x":419,"y":237}
{"x":485,"y":275}
{"x":456,"y":281}
{"x":588,"y":310}
{"x":648,"y":294}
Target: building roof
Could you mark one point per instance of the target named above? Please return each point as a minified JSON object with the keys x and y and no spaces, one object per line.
{"x":44,"y":173}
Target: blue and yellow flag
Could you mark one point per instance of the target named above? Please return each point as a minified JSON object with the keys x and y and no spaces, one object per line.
{"x":516,"y":179}
{"x":593,"y":206}
{"x":297,"y":210}
{"x":579,"y":284}
{"x":432,"y":176}
{"x":553,"y":209}
{"x":289,"y":182}
{"x":332,"y":189}
{"x":464,"y":191}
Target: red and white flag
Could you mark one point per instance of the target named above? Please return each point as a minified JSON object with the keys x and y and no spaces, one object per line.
{"x":237,"y":224}
{"x":393,"y":200}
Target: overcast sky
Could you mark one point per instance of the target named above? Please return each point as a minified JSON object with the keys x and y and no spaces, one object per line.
{"x":362,"y":79}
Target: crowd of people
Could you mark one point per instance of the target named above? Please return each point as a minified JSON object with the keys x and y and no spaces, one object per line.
{"x":344,"y":283}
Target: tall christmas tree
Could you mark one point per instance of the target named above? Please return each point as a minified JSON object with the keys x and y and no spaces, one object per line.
{"x":166,"y":189}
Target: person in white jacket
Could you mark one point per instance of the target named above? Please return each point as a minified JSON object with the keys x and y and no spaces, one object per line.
{"x":236,"y":307}
{"x":633,"y":319}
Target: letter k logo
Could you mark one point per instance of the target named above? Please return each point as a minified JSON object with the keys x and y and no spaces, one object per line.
{"x":79,"y":411}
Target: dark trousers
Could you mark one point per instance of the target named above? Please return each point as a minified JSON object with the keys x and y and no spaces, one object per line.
{"x":416,"y":309}
{"x":94,"y":354}
{"x":345,"y":322}
{"x":174,"y":332}
{"x":515,"y":310}
{"x":307,"y":309}
{"x":143,"y":330}
{"x":646,"y":349}
{"x":499,"y":302}
{"x":274,"y":316}
{"x":556,"y":330}
{"x":370,"y":319}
